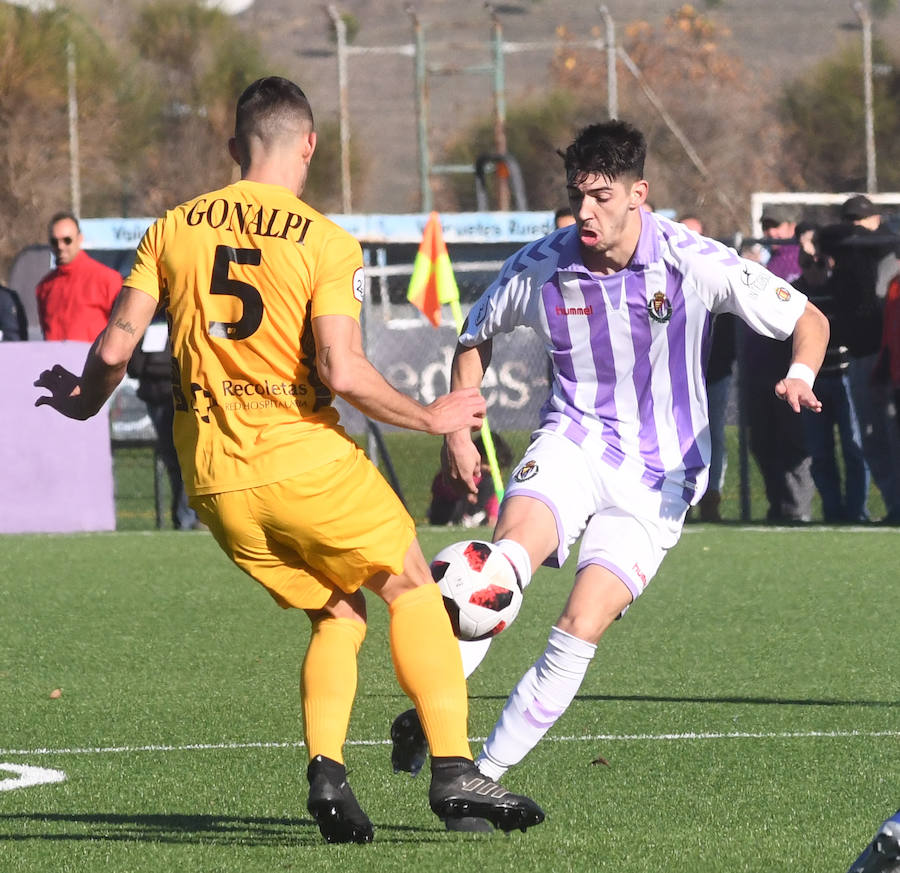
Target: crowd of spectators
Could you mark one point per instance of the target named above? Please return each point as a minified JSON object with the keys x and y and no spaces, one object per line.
{"x":848,"y":268}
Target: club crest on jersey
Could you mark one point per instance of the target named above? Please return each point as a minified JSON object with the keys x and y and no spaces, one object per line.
{"x":659,"y":307}
{"x":782,"y":294}
{"x":527,"y":471}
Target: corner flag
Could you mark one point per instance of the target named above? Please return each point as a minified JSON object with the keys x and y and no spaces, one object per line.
{"x":432,"y":282}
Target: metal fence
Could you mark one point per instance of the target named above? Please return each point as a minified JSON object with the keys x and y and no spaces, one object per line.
{"x":415,"y":357}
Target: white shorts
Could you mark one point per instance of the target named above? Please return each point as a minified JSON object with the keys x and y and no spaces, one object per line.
{"x":625,"y":526}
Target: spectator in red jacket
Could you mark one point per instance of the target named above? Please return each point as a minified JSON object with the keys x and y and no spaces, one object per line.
{"x":888,"y":367}
{"x":74,"y":300}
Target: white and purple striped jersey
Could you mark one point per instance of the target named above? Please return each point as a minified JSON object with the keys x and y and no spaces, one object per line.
{"x":629,"y":350}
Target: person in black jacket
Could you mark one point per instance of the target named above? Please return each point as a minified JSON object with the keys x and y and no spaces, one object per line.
{"x":152,"y":367}
{"x":13,"y":324}
{"x":865,"y":260}
{"x":832,"y":387}
{"x":719,"y":370}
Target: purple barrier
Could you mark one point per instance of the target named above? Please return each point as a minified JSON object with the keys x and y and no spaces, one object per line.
{"x":57,"y":473}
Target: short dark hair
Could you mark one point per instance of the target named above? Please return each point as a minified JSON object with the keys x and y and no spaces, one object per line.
{"x":267,"y":107}
{"x":611,"y":149}
{"x":62,"y":216}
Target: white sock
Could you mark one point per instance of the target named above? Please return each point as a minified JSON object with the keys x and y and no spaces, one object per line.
{"x":541,"y":697}
{"x":473,"y":652}
{"x":517,"y":555}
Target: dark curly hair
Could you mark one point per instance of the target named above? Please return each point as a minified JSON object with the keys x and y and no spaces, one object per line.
{"x":611,"y":149}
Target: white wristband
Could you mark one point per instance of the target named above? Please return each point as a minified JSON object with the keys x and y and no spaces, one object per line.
{"x":801,"y":371}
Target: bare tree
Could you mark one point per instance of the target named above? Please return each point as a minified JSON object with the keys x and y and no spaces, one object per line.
{"x":708,"y":97}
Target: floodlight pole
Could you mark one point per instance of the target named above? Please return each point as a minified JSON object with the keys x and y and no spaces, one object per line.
{"x":612,"y":81}
{"x":862,"y":13}
{"x":74,"y":163}
{"x":425,"y":192}
{"x":499,"y":107}
{"x":340,"y":30}
{"x":72,"y":100}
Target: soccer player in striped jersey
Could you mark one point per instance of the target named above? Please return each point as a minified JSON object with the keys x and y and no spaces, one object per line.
{"x":623,"y":302}
{"x":882,"y":854}
{"x":263,"y":296}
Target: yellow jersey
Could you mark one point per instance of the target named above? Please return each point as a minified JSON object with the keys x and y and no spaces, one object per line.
{"x":242,"y":272}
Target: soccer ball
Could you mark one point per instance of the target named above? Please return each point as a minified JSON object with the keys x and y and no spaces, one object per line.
{"x":480,"y":588}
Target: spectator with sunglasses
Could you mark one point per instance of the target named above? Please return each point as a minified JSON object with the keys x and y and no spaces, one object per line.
{"x":75,"y":299}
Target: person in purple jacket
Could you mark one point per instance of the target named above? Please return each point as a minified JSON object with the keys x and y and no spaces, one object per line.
{"x":776,"y":436}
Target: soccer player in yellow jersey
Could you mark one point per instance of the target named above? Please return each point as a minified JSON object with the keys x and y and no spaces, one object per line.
{"x":263,"y":296}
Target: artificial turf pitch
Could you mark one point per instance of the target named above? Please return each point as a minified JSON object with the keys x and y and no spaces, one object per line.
{"x":747,"y":708}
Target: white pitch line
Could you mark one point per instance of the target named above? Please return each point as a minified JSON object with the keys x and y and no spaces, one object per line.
{"x":732,"y":735}
{"x":26,"y":776}
{"x":673,"y":737}
{"x":799,"y":529}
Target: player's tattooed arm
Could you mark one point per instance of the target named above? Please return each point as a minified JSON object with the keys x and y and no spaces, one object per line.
{"x":106,"y":361}
{"x":345,"y":369}
{"x":125,"y":325}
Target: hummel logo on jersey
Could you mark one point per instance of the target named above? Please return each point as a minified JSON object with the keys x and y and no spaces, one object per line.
{"x":574,"y":310}
{"x":755,"y":279}
{"x":485,"y":788}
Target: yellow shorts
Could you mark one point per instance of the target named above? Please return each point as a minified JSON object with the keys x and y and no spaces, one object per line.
{"x":330,"y":528}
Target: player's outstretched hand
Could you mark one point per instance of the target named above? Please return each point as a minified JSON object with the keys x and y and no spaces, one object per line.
{"x":461,"y":463}
{"x":65,"y":392}
{"x":796,"y":393}
{"x":464,"y":408}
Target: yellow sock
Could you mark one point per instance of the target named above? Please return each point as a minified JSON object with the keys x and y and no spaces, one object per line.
{"x":328,"y":684}
{"x":429,"y":669}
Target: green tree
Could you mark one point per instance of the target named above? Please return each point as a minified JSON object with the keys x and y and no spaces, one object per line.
{"x":824,"y":115}
{"x":880,"y":8}
{"x":34,"y":119}
{"x":707,"y":93}
{"x":323,"y":186}
{"x":193,"y":62}
{"x":534,"y":131}
{"x":700,"y":109}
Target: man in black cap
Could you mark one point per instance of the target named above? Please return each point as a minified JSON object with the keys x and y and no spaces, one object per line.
{"x":858,"y":209}
{"x":865,"y":260}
